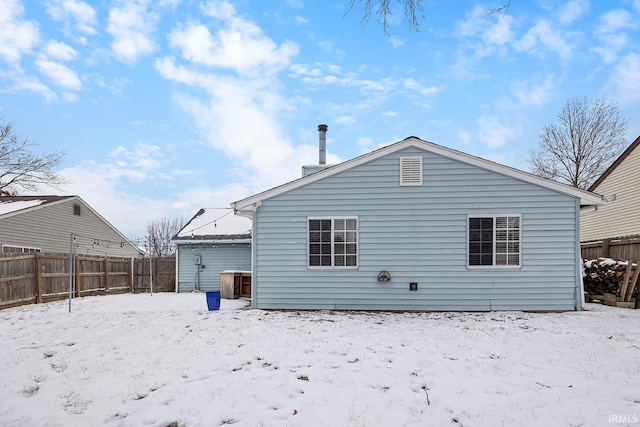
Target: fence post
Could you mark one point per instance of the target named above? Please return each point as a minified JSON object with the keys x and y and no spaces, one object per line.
{"x":106,"y":274}
{"x":605,"y":247}
{"x":154,"y":274}
{"x":38,"y":279}
{"x":78,"y":278}
{"x":131,"y":268}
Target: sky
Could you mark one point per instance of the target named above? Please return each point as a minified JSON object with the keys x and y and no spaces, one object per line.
{"x":164,"y":107}
{"x":165,"y":360}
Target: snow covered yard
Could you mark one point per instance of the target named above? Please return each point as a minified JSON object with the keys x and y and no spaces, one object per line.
{"x":164,"y":360}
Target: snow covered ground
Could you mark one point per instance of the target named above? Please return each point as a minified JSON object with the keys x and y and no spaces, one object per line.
{"x":165,"y":360}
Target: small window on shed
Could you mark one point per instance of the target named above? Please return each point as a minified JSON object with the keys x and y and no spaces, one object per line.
{"x":76,"y":209}
{"x":410,"y":170}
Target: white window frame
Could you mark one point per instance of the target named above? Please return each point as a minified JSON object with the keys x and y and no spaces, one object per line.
{"x":23,"y":249}
{"x":333,"y":254}
{"x":408,"y":181}
{"x":494,"y":265}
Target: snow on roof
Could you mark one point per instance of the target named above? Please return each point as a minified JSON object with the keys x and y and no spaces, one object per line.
{"x":14,"y":206}
{"x":216,"y":222}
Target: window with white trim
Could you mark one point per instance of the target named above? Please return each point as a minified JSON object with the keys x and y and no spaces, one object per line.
{"x":333,"y":242}
{"x":494,"y":240}
{"x":411,"y":170}
{"x":9,"y":249}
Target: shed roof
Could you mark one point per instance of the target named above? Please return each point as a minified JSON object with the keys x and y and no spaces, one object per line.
{"x":214,"y":224}
{"x":586,"y":198}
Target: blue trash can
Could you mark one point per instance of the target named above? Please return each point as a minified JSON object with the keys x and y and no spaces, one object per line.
{"x":213,"y":300}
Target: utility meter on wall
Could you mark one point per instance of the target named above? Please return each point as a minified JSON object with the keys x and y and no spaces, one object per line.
{"x":197,"y":260}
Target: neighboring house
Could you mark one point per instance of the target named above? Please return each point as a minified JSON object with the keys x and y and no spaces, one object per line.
{"x":213,"y":241}
{"x":46,"y":223}
{"x":620,"y":187}
{"x":417,"y":226}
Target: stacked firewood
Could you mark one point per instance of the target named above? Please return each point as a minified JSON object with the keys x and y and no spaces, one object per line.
{"x":608,"y":276}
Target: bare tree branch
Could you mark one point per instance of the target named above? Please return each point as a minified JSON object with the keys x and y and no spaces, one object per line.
{"x":502,"y":9}
{"x":160,"y":231}
{"x":412,"y":10}
{"x":23,"y":170}
{"x":383,"y":8}
{"x":587,"y":137}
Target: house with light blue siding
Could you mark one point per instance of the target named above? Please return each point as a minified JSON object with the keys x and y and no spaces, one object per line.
{"x":213,"y":241}
{"x":417,"y":226}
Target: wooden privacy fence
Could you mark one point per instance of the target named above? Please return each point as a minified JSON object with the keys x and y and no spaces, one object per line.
{"x":36,"y":278}
{"x":623,"y":248}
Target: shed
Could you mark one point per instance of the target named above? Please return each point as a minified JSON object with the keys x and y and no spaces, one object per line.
{"x":45,"y":224}
{"x":213,"y":241}
{"x":417,"y":226}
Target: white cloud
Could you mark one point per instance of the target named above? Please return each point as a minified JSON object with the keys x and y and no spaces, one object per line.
{"x":239,"y":45}
{"x":138,"y":163}
{"x":616,"y":20}
{"x":98,"y":184}
{"x":396,"y":41}
{"x":389,"y":113}
{"x":625,"y":79}
{"x":236,"y":67}
{"x":17,"y":36}
{"x":534,"y":94}
{"x":74,"y":13}
{"x":611,"y":33}
{"x":60,"y":51}
{"x":473,"y":23}
{"x":33,"y":85}
{"x":345,"y":119}
{"x":493,"y":30}
{"x":493,"y":133}
{"x":500,"y":32}
{"x":60,"y":74}
{"x":611,"y":46}
{"x":364,"y":142}
{"x":464,"y":136}
{"x":416,"y":87}
{"x":267,"y":157}
{"x":544,"y":34}
{"x":572,"y":11}
{"x":70,"y":96}
{"x":131,"y":26}
{"x":103,"y":185}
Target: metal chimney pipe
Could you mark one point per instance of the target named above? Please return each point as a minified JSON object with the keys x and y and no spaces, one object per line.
{"x":322,"y":130}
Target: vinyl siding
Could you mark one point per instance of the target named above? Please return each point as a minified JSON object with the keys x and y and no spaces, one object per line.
{"x":619,"y":217}
{"x":49,"y":228}
{"x":418,"y":234}
{"x":215,"y":259}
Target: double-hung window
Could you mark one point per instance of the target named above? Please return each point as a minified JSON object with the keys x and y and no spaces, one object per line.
{"x":494,"y":240}
{"x":333,"y":242}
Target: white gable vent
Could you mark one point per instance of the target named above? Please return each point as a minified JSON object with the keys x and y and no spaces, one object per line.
{"x":410,"y":170}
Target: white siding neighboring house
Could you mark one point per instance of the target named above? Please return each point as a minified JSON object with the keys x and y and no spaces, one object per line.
{"x":417,"y":226}
{"x":620,"y":187}
{"x":45,"y":224}
{"x":213,"y":241}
